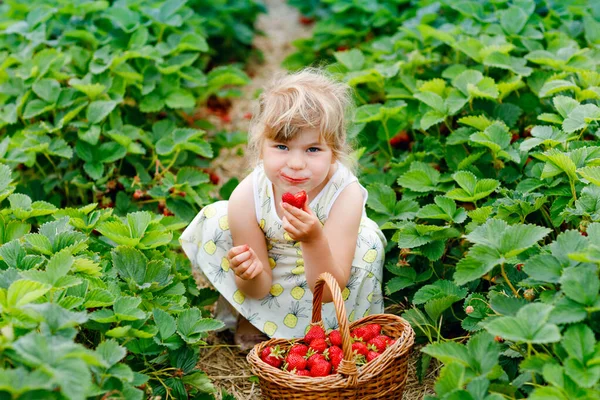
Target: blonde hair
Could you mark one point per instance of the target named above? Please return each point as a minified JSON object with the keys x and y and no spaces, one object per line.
{"x":309,"y":98}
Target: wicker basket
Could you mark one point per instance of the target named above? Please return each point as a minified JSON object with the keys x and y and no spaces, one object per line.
{"x":382,"y":378}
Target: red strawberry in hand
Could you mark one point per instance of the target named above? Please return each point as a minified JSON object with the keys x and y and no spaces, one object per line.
{"x":296,"y":200}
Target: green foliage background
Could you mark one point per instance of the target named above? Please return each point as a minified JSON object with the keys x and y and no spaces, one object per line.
{"x":477,"y":134}
{"x":97,"y":133}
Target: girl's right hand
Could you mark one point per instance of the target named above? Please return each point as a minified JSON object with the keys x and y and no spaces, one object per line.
{"x":244,"y":262}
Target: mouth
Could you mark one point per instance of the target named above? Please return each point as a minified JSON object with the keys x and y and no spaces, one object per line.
{"x":293,"y":180}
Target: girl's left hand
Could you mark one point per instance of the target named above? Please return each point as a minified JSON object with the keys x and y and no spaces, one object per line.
{"x":301,"y":224}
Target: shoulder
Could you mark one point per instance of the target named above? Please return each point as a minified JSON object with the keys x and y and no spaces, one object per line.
{"x":241,"y":200}
{"x":349,"y":202}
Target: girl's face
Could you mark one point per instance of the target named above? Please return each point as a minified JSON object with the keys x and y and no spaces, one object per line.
{"x":303,"y":163}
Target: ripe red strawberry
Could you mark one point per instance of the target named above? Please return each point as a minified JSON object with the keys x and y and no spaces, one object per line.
{"x":315,"y":332}
{"x":296,"y":200}
{"x":313,"y":359}
{"x":360,"y":348}
{"x":321,"y":368}
{"x":374,"y":330}
{"x":400,"y":139}
{"x":318,"y":345}
{"x":379,"y":343}
{"x":306,"y":20}
{"x":372,"y":355}
{"x":359,"y":334}
{"x":335,"y":338}
{"x":299,"y":348}
{"x":295,"y":361}
{"x":519,"y":266}
{"x":272,"y":356}
{"x":303,"y":372}
{"x":214,"y":178}
{"x":336,"y":354}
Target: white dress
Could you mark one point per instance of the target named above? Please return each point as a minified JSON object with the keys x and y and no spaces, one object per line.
{"x":286,"y":311}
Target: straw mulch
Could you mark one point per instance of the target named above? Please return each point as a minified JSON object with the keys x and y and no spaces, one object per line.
{"x":228,"y":369}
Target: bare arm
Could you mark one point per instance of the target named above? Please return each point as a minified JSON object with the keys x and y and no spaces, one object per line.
{"x":253,"y":275}
{"x":331,"y":249}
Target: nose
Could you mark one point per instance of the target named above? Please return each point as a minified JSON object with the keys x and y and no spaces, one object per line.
{"x":296,"y":161}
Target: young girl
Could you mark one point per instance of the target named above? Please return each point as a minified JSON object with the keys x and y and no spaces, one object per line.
{"x":264,"y":255}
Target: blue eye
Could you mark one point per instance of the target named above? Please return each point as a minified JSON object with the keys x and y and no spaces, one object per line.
{"x":281,"y":147}
{"x":313,"y":149}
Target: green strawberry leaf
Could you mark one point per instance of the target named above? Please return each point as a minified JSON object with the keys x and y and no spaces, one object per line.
{"x":353,"y":59}
{"x":471,"y":189}
{"x":192,"y":327}
{"x":581,"y":284}
{"x":382,"y":199}
{"x":529,"y":325}
{"x":421,"y":177}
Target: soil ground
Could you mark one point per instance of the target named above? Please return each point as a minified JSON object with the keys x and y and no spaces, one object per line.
{"x":224,"y":363}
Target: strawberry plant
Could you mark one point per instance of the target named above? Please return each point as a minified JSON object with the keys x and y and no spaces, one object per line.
{"x":99,"y":100}
{"x":95,"y":305}
{"x":477,"y":130}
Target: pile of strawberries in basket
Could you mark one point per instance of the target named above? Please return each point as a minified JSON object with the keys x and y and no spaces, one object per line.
{"x":319,"y":354}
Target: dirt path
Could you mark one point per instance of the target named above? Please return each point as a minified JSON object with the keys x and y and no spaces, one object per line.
{"x":281,"y":27}
{"x":221,"y":360}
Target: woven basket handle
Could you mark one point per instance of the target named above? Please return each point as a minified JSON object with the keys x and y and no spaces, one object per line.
{"x":347,"y":366}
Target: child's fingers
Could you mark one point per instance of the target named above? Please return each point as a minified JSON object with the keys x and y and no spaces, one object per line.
{"x":242,"y":268}
{"x":290,"y":228}
{"x":298,"y":224}
{"x":251,"y":272}
{"x":296,"y":212}
{"x":241,"y":258}
{"x":236,"y":250}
